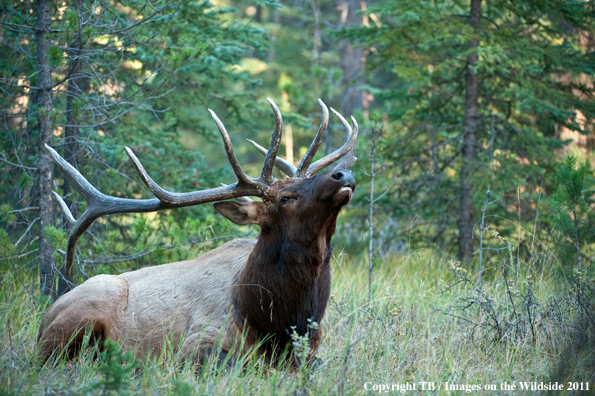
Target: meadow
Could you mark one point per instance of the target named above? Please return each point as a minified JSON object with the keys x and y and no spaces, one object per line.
{"x":416,"y":331}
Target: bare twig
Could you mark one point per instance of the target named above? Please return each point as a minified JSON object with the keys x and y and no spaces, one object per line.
{"x":482,"y":229}
{"x":24,"y":209}
{"x":375,"y":134}
{"x":19,"y":255}
{"x":26,"y":231}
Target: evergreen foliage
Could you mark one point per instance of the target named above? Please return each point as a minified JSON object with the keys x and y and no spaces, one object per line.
{"x":125,"y":75}
{"x":148,"y":87}
{"x":116,"y":368}
{"x":574,"y":217}
{"x":535,"y":67}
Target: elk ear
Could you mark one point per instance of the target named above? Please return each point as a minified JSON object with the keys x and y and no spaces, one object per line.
{"x":242,"y":213}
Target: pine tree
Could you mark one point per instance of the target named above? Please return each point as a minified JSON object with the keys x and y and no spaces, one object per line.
{"x":478,"y":92}
{"x":573,"y":202}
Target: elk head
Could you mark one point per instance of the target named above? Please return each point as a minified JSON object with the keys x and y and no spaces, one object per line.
{"x":297,"y":210}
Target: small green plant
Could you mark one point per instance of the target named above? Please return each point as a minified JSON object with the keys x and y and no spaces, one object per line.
{"x":301,"y":343}
{"x":56,"y":236}
{"x":572,"y":204}
{"x":7,"y":215}
{"x":301,"y":354}
{"x":574,"y":219}
{"x":116,"y":368}
{"x":181,"y":388}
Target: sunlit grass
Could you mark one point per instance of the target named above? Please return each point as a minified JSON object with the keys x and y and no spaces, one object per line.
{"x":404,"y":334}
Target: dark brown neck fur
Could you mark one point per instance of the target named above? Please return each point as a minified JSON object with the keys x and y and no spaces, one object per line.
{"x":285,"y":285}
{"x":285,"y":282}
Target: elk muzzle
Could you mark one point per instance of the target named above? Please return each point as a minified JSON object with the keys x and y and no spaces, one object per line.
{"x":340,"y":186}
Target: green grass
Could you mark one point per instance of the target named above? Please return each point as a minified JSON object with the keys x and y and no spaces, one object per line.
{"x":404,"y":335}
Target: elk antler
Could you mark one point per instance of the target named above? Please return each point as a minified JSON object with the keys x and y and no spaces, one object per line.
{"x":99,"y":204}
{"x":307,"y":160}
{"x":345,"y":153}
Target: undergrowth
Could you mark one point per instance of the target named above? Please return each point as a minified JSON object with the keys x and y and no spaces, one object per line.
{"x":411,"y":331}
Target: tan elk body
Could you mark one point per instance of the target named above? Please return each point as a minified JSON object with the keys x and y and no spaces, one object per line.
{"x":190,"y":305}
{"x":244,"y":294}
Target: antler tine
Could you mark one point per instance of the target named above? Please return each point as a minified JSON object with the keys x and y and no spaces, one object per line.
{"x":283,"y":165}
{"x":269,"y":161}
{"x":177,"y":200}
{"x":349,"y":159}
{"x":305,"y":163}
{"x":154,"y":187}
{"x":233,"y":161}
{"x":341,"y":152}
{"x":65,"y":210}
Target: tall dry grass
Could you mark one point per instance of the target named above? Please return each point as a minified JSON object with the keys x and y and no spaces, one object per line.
{"x":410,"y":332}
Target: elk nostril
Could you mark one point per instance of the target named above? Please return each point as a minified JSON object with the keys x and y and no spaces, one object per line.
{"x":338,"y":175}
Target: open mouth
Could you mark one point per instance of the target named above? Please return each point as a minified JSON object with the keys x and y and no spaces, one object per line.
{"x":346,"y":192}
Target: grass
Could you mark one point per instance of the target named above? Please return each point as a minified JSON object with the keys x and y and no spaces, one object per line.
{"x":405,"y":335}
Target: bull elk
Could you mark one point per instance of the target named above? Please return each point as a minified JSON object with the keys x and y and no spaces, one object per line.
{"x":243,"y":294}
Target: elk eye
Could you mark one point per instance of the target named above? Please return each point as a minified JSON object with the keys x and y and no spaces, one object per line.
{"x":285,"y":199}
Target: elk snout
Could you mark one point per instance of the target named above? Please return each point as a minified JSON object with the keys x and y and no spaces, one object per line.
{"x":345,"y":177}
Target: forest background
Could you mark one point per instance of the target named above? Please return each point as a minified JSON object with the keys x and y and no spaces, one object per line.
{"x":467,"y":110}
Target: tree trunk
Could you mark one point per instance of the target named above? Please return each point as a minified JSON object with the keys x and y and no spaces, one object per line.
{"x":351,"y":60}
{"x":44,"y":125}
{"x":276,"y":19}
{"x":288,"y":133}
{"x":75,"y":89}
{"x":465,"y":222}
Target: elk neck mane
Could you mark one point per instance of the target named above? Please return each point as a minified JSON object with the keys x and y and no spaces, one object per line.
{"x":285,"y":284}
